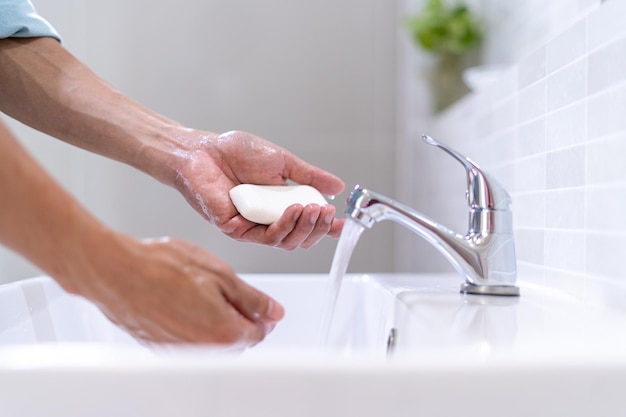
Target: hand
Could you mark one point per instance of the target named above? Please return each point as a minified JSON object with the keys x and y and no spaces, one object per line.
{"x":215,"y":164}
{"x":170,"y":291}
{"x":160,"y":291}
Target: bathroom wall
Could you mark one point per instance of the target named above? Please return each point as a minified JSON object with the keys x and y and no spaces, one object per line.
{"x":316,"y":77}
{"x":552,"y":128}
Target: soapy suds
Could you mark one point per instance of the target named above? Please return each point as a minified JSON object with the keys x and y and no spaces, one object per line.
{"x":345,"y":246}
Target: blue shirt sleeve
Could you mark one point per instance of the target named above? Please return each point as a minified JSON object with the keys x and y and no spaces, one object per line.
{"x":19,"y":19}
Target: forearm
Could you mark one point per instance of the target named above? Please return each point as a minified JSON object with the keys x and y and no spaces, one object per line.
{"x":44,"y":86}
{"x":39,"y":220}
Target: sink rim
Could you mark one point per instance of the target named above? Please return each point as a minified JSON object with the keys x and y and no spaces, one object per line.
{"x":569,"y":349}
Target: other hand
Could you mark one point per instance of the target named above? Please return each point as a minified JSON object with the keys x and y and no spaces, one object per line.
{"x":171,"y":291}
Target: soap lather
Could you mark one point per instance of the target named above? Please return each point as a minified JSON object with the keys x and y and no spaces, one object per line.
{"x":265,"y":204}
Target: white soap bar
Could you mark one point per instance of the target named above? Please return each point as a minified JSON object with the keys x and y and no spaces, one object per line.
{"x":264,"y":204}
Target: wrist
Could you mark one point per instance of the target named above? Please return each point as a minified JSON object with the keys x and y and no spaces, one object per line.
{"x":81,"y":255}
{"x":166,"y":151}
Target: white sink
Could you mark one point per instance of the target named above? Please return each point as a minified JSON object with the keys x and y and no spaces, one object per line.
{"x":543,"y":354}
{"x":38,"y":311}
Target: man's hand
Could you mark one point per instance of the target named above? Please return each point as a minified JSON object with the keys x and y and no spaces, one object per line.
{"x":170,"y":291}
{"x":215,"y":164}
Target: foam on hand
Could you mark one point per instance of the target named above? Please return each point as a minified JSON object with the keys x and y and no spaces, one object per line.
{"x":264,"y":204}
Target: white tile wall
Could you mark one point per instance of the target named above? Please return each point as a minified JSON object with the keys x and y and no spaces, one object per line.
{"x":567,"y":47}
{"x":569,"y":139}
{"x":566,"y":85}
{"x":532,"y":101}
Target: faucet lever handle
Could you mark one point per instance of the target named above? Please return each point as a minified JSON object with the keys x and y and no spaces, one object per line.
{"x":483,"y":191}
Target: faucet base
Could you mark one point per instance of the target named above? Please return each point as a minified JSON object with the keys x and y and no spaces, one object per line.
{"x":506,"y":290}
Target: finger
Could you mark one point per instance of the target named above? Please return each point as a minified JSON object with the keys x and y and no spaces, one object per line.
{"x":275,"y":234}
{"x":278,"y":231}
{"x":145,"y":332}
{"x":253,"y":304}
{"x":303,"y":173}
{"x":303,"y":228}
{"x":336,"y":228}
{"x":247,"y":231}
{"x":227,"y":324}
{"x":246,"y":332}
{"x":322,"y":226}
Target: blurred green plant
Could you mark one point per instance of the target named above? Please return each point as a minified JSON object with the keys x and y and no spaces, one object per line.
{"x":445,"y":27}
{"x":450,"y":31}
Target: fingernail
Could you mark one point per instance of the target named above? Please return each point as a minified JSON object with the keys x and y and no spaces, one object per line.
{"x":328,"y":219}
{"x":275,"y":311}
{"x":269,"y":327}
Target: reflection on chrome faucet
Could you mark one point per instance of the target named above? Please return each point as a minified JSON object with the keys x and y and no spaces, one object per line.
{"x":484,"y":256}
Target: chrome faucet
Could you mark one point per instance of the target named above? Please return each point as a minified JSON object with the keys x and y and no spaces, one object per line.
{"x":485,"y":256}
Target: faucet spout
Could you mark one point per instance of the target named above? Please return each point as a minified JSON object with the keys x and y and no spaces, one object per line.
{"x":484,"y":256}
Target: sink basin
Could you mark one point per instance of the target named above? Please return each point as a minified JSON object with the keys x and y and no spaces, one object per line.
{"x":38,"y":311}
{"x":542,"y":354}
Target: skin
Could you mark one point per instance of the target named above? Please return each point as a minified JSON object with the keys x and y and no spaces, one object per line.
{"x":164,"y":290}
{"x":218,"y":163}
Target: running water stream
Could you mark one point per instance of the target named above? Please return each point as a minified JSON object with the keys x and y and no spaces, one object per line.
{"x":345,"y":246}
